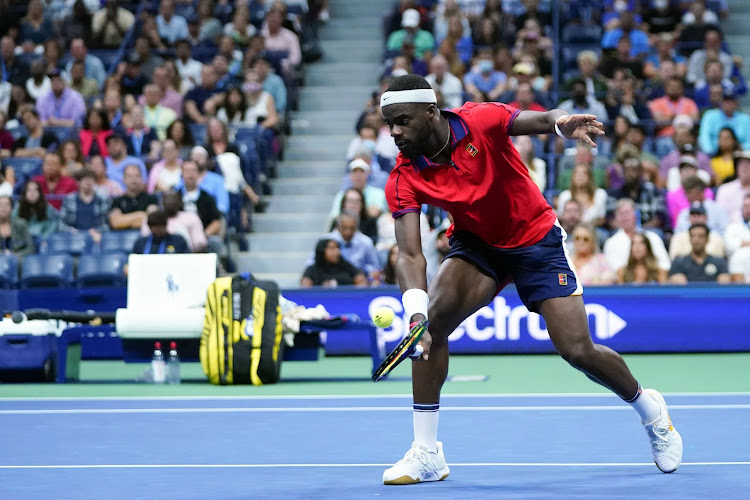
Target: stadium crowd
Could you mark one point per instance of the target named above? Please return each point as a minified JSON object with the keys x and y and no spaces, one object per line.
{"x":154,"y":119}
{"x":665,"y":197}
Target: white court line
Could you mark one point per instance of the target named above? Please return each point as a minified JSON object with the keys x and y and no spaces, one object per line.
{"x":282,"y":466}
{"x":342,"y":409}
{"x":356,"y":396}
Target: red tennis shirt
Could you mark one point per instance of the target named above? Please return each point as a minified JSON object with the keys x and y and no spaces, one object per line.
{"x":486,"y":187}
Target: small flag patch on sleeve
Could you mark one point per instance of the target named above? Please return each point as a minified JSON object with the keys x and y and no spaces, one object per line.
{"x":472,"y":150}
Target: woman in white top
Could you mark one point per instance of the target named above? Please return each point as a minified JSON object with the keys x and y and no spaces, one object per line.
{"x":537,"y":167}
{"x":584,"y":191}
{"x":166,"y":173}
{"x":261,"y":107}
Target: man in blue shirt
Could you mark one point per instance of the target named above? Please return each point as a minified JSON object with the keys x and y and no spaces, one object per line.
{"x":355,"y":246}
{"x":118,"y":160}
{"x":160,"y":241}
{"x":94,"y":67}
{"x":171,"y":27}
{"x":638,"y":39}
{"x":85,"y":210}
{"x":210,"y":182}
{"x":272,"y":83}
{"x":716,"y":119}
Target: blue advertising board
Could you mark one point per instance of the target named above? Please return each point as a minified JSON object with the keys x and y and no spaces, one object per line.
{"x":627,"y":319}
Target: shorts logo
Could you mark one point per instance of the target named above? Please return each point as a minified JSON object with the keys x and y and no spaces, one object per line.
{"x":562,"y":279}
{"x":472,"y":150}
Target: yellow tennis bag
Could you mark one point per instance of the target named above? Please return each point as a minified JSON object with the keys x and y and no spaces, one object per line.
{"x":241,"y":341}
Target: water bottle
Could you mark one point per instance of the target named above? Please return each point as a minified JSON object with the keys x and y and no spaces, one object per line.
{"x":173,"y":365}
{"x":158,"y":367}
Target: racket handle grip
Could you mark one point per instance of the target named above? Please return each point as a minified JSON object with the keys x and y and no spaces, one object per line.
{"x":418,"y":350}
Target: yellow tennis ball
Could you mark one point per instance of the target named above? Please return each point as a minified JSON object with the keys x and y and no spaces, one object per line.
{"x":383,"y":317}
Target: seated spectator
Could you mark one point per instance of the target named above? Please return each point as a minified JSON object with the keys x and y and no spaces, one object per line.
{"x":587,"y":61}
{"x":110,"y":25}
{"x":665,"y":52}
{"x":677,"y":199}
{"x":731,"y":194}
{"x":679,"y":244}
{"x":141,"y":141}
{"x":180,"y":133}
{"x":118,"y":160}
{"x":16,"y":70}
{"x":77,"y":24}
{"x":388,"y":275}
{"x":72,"y":157}
{"x":166,"y":174}
{"x":94,"y":134}
{"x":365,"y":141}
{"x":716,"y":119}
{"x":359,"y":170}
{"x":355,"y":246}
{"x":330,"y":269}
{"x":14,"y":233}
{"x":249,"y":106}
{"x":272,"y":83}
{"x":169,"y":98}
{"x":621,"y":59}
{"x":581,"y":102}
{"x":93,"y":66}
{"x":53,"y":55}
{"x":159,"y":241}
{"x":591,"y":265}
{"x":210,"y":182}
{"x":537,"y":167}
{"x":85,"y":210}
{"x":186,"y":224}
{"x":593,"y":200}
{"x":585,"y":155}
{"x":353,"y":201}
{"x":665,"y":109}
{"x":483,"y":82}
{"x":189,"y":69}
{"x":37,"y":141}
{"x":6,"y":138}
{"x":699,"y":266}
{"x":61,"y":106}
{"x":171,"y":26}
{"x":532,"y":41}
{"x":617,"y":247}
{"x":132,"y":208}
{"x":156,"y":116}
{"x":625,"y":102}
{"x":53,"y":182}
{"x":711,"y":49}
{"x":38,"y":83}
{"x":41,"y":217}
{"x":235,"y":182}
{"x":738,"y":245}
{"x":642,"y":266}
{"x":444,"y":82}
{"x":717,"y":218}
{"x":210,"y":27}
{"x":436,"y":251}
{"x":132,"y":75}
{"x":723,"y":162}
{"x":627,"y":30}
{"x":570,"y":217}
{"x":423,"y":39}
{"x":408,"y":54}
{"x":635,"y":140}
{"x":525,"y":99}
{"x":713,"y":78}
{"x":649,"y":201}
{"x":104,"y":186}
{"x":278,"y":39}
{"x":196,"y":98}
{"x":196,"y":200}
{"x":34,"y":27}
{"x":685,"y":144}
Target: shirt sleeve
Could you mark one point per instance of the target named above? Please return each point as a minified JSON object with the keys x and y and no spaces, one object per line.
{"x":496,"y":117}
{"x":677,"y":267}
{"x":400,"y":194}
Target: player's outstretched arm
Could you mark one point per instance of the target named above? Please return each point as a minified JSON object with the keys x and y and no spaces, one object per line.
{"x":557,"y":121}
{"x":411,"y":268}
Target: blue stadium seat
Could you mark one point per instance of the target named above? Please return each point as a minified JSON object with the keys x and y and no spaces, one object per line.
{"x":576,"y":33}
{"x":25,"y":168}
{"x":47,"y":271}
{"x":62,"y":133}
{"x":198,"y":130}
{"x":118,"y":241}
{"x":17,"y":132}
{"x":74,"y":244}
{"x":8,"y":271}
{"x":102,"y":270}
{"x":109,"y":57}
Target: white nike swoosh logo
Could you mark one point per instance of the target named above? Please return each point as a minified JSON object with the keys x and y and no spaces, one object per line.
{"x":386,"y":98}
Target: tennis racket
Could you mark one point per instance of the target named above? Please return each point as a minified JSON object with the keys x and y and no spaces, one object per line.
{"x":407,"y":348}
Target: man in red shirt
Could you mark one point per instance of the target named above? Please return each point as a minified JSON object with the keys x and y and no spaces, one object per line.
{"x":53,"y":182}
{"x":464,"y":162}
{"x":525,"y":99}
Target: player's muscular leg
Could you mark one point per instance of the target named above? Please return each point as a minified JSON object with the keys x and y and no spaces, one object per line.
{"x":457,"y":291}
{"x":568,"y":328}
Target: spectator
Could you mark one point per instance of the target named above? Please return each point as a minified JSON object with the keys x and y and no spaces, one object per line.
{"x":699,"y":266}
{"x":713,"y":77}
{"x":198,"y":201}
{"x":642,"y":266}
{"x":628,"y":29}
{"x":581,"y":102}
{"x":711,"y":49}
{"x":112,"y":104}
{"x":188,"y":68}
{"x":359,"y":170}
{"x":197,"y":97}
{"x":211,"y":182}
{"x":665,"y":109}
{"x":731,"y":194}
{"x":180,"y":133}
{"x":355,"y":246}
{"x":38,"y":83}
{"x":41,"y":218}
{"x":591,"y":266}
{"x":570,"y":217}
{"x":14,"y":233}
{"x":87,"y":87}
{"x":86,"y":210}
{"x":280,"y":39}
{"x":52,"y":56}
{"x":665,"y":52}
{"x":6,"y":138}
{"x":16,"y":71}
{"x":525,"y":99}
{"x":442,"y":248}
{"x":240,"y":30}
{"x":483,"y":82}
{"x":170,"y":98}
{"x":210,"y":27}
{"x":133,"y":76}
{"x":388,"y":276}
{"x":450,"y":9}
{"x":94,"y":134}
{"x":37,"y":141}
{"x":330,"y":269}
{"x":588,"y":62}
{"x":423,"y":40}
{"x":738,"y":244}
{"x":104,"y":186}
{"x":141,"y":140}
{"x":625,"y":102}
{"x":110,"y":25}
{"x":621,"y":59}
{"x":147,"y":58}
{"x":677,"y":199}
{"x":132,"y":208}
{"x":584,"y":154}
{"x":444,"y":82}
{"x":171,"y":26}
{"x":236,"y":184}
{"x":118,"y":160}
{"x":34,"y":27}
{"x":77,"y":24}
{"x":685,"y":144}
{"x":365,"y":141}
{"x":617,"y":247}
{"x":593,"y":200}
{"x":636,"y":137}
{"x":679,"y":244}
{"x":536,"y":166}
{"x":159,"y":241}
{"x":353,"y":202}
{"x":156,"y":116}
{"x":186,"y":224}
{"x":272,"y":83}
{"x":716,"y":119}
{"x":94,"y":66}
{"x":72,"y":158}
{"x":166,"y":174}
{"x":717,"y":220}
{"x":650,"y":202}
{"x":723,"y":162}
{"x":53,"y":182}
{"x":61,"y":106}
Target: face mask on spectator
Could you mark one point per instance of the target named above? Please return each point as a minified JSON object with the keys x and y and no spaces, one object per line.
{"x":251,"y":87}
{"x":485,"y":66}
{"x":368,"y":145}
{"x":620,"y":6}
{"x":661,"y":4}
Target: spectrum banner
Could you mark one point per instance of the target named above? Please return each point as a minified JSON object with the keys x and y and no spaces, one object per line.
{"x":709,"y":318}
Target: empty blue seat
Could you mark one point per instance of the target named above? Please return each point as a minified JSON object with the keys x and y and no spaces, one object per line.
{"x":62,"y":133}
{"x":25,"y":168}
{"x":577,"y":33}
{"x":47,"y":271}
{"x":8,"y":271}
{"x":102,"y":270}
{"x":118,"y":241}
{"x":75,"y":244}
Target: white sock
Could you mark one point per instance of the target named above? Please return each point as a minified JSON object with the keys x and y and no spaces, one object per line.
{"x":647,"y":407}
{"x":426,"y":425}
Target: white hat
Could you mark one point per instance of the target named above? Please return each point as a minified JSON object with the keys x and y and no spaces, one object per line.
{"x":683,"y":121}
{"x":199,"y":149}
{"x":399,"y":72}
{"x":359,"y":163}
{"x":410,"y":18}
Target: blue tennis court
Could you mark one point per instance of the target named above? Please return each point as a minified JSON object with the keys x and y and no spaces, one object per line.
{"x":498,"y":446}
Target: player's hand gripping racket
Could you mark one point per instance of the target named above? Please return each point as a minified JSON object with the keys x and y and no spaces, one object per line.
{"x":407,"y":348}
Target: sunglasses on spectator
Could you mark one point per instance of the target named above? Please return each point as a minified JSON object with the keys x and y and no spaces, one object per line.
{"x":579,"y":237}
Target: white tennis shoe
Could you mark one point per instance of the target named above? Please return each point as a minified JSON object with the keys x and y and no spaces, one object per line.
{"x":419,"y":465}
{"x":666,"y":442}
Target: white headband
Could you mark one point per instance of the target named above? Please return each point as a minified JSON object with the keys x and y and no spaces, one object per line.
{"x":402,"y":96}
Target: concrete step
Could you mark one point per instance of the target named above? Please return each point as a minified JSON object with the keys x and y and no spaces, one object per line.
{"x":290,"y":223}
{"x":325,"y":186}
{"x":296,"y":203}
{"x":348,"y":50}
{"x":316,"y":154}
{"x":342,"y":75}
{"x":343,"y":100}
{"x":338,"y":126}
{"x":264,"y":262}
{"x":296,"y":242}
{"x":340,"y":142}
{"x":285,"y":281}
{"x":297,"y":169}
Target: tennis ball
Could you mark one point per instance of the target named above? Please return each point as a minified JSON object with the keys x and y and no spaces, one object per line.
{"x":383,"y":317}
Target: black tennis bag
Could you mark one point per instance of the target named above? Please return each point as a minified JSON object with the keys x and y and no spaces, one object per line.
{"x":241,"y":341}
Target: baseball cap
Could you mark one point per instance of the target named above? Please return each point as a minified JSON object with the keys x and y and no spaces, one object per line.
{"x":744,"y":155}
{"x":399,"y":72}
{"x":688,"y":160}
{"x":697,"y":208}
{"x":523,"y":68}
{"x":410,"y":18}
{"x":729,"y":95}
{"x":55,"y":72}
{"x":360,"y":164}
{"x":683,"y":121}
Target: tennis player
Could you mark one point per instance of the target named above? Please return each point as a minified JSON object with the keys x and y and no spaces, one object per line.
{"x":503,"y":231}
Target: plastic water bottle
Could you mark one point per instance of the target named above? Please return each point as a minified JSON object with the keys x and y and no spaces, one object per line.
{"x":173,"y":365}
{"x":158,"y":367}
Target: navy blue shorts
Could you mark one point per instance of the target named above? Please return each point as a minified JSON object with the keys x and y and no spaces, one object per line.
{"x":540,"y":271}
